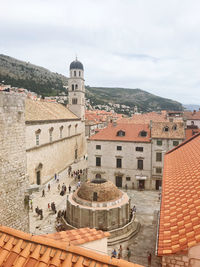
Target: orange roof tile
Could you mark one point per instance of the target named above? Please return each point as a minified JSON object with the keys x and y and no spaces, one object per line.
{"x":176,"y":130}
{"x":77,"y":236}
{"x":180,"y":206}
{"x":132,"y":133}
{"x":190,"y":132}
{"x":25,"y":250}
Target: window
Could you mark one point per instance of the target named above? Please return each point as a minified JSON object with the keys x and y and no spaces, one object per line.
{"x":158,"y":156}
{"x":98,"y":161}
{"x":37,"y":136}
{"x":95,"y":197}
{"x":74,"y":101}
{"x":61,"y":131}
{"x":119,"y":148}
{"x":72,"y":87}
{"x":79,"y":74}
{"x":120,"y":133}
{"x":128,"y":178}
{"x":139,"y":148}
{"x":75,"y":73}
{"x":159,"y":142}
{"x":98,"y":147}
{"x":158,"y":170}
{"x":174,"y":127}
{"x":140,"y":164}
{"x":76,"y":86}
{"x":69,"y":130}
{"x":50,"y":136}
{"x":166,"y":129}
{"x":76,"y":128}
{"x":76,"y":153}
{"x":143,"y":133}
{"x":175,"y":143}
{"x":118,"y":163}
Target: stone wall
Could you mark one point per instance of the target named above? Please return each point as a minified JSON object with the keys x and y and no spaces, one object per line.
{"x":13,"y":178}
{"x":50,"y":157}
{"x":129,"y":171}
{"x":175,"y":261}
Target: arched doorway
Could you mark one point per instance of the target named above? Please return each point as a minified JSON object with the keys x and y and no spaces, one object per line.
{"x":38,"y":173}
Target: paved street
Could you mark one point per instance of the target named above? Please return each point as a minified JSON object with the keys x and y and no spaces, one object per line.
{"x":47,"y":225}
{"x":147,"y":205}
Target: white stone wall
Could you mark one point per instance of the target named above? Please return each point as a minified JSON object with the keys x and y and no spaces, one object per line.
{"x":13,"y":175}
{"x":167,"y":144}
{"x":196,"y":122}
{"x":55,"y":156}
{"x":129,"y":155}
{"x":99,"y":246}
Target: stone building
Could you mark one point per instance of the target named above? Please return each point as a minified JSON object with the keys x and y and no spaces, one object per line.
{"x":55,"y":135}
{"x":98,"y":204}
{"x":13,"y":174}
{"x":164,"y":136}
{"x":179,"y":226}
{"x":121,"y":152}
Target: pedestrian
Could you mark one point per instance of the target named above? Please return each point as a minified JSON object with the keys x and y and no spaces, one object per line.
{"x":41,"y":214}
{"x":114,"y":253}
{"x":149,"y":259}
{"x":55,"y":176}
{"x":48,"y":206}
{"x":58,"y":187}
{"x":126,"y":187}
{"x":31,"y":204}
{"x":69,"y":188}
{"x":128,"y":253}
{"x":43,"y":193}
{"x":49,"y":187}
{"x":120,"y":252}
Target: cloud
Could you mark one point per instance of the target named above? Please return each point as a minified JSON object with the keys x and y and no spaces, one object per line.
{"x":152,"y":45}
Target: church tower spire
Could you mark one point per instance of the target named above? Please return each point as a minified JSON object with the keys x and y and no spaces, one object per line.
{"x":76,"y":89}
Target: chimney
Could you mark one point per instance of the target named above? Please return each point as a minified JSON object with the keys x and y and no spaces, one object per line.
{"x":114,"y":124}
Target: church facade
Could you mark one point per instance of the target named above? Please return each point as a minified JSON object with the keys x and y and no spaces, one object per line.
{"x":55,"y":135}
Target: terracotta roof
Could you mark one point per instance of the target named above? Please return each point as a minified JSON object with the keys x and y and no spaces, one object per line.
{"x":150,"y":116}
{"x":132,"y":133}
{"x":180,"y":207}
{"x":195,"y":115}
{"x":78,"y":236}
{"x":190,"y":132}
{"x":25,"y":250}
{"x":175,"y":130}
{"x":42,"y":111}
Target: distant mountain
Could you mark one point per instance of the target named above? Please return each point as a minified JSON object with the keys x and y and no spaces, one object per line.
{"x":18,"y":73}
{"x":131,"y":97}
{"x":191,"y":107}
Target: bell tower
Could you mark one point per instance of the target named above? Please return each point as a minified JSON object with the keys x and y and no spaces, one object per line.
{"x":76,"y":89}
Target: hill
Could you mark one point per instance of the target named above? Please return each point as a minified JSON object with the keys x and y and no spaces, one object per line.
{"x":130,"y":97}
{"x":34,"y":78}
{"x":44,"y":82}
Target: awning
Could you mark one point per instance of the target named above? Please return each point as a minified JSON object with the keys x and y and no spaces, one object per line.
{"x":139,"y":177}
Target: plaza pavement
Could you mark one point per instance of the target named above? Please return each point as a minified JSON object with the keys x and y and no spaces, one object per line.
{"x":147,"y":204}
{"x":47,"y":224}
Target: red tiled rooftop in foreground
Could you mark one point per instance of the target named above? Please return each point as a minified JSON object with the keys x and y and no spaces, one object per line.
{"x":78,"y":236}
{"x":20,"y":249}
{"x":179,"y":226}
{"x":132,"y":133}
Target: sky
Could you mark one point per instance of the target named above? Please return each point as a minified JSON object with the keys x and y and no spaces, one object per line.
{"x":153,"y":45}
